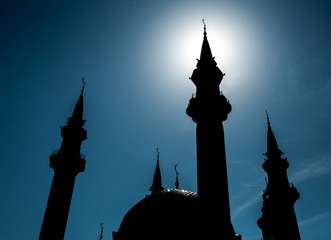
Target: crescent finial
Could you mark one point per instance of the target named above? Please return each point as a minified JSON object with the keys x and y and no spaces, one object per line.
{"x":176,"y":169}
{"x":158,"y":154}
{"x":101,"y":234}
{"x":204,"y":28}
{"x":83,"y":80}
{"x":176,"y":183}
{"x":267,"y":117}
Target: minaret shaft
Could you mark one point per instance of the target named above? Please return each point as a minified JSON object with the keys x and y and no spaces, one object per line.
{"x":57,"y":210}
{"x":211,"y":166}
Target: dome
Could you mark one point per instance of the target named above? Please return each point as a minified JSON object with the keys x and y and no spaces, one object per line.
{"x":167,"y":214}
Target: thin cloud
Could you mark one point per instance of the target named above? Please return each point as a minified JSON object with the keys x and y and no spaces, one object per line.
{"x":312,"y":170}
{"x":251,"y":201}
{"x":318,"y":91}
{"x":255,"y":237}
{"x":316,"y":218}
{"x":299,"y":77}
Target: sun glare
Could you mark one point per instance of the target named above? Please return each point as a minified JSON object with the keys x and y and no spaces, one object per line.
{"x":179,"y":45}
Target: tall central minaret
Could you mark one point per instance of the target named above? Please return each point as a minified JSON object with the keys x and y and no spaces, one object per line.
{"x":67,"y":163}
{"x":209,"y":108}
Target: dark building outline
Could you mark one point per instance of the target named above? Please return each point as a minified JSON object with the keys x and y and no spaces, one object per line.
{"x":178,"y":213}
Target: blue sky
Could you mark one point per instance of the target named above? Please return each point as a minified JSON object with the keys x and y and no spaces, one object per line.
{"x":137,"y":57}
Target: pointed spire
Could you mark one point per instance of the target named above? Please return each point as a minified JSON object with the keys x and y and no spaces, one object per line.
{"x":205,"y":55}
{"x":157,"y":182}
{"x":176,"y":183}
{"x":272,"y":146}
{"x":77,"y":115}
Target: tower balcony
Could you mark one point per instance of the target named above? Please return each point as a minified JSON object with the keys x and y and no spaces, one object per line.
{"x":278,"y":164}
{"x":64,"y":162}
{"x":213,"y":109}
{"x":294,"y":194}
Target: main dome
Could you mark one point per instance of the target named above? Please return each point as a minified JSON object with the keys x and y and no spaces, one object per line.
{"x":167,"y":214}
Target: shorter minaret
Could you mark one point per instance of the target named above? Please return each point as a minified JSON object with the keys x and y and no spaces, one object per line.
{"x":157,"y":182}
{"x":278,"y":219}
{"x":67,"y":162}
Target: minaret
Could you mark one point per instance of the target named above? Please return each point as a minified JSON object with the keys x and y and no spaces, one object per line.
{"x":157,"y":182}
{"x":209,"y":108}
{"x":67,"y":162}
{"x":278,"y":219}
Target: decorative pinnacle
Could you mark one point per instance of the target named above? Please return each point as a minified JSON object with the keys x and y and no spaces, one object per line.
{"x":204,"y":28}
{"x":101,"y":234}
{"x":83,"y":80}
{"x":158,"y":155}
{"x":176,"y":183}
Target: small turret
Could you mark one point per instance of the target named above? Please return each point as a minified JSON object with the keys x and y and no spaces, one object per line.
{"x":157,"y":182}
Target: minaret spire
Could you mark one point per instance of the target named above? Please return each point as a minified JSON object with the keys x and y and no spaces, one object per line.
{"x":67,"y":162}
{"x":77,"y":114}
{"x":206,"y":57}
{"x":157,"y":182}
{"x":272,"y":146}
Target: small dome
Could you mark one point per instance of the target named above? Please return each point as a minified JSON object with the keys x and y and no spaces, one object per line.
{"x":167,"y":214}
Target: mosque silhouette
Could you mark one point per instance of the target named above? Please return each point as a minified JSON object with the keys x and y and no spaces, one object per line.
{"x":177,"y":213}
